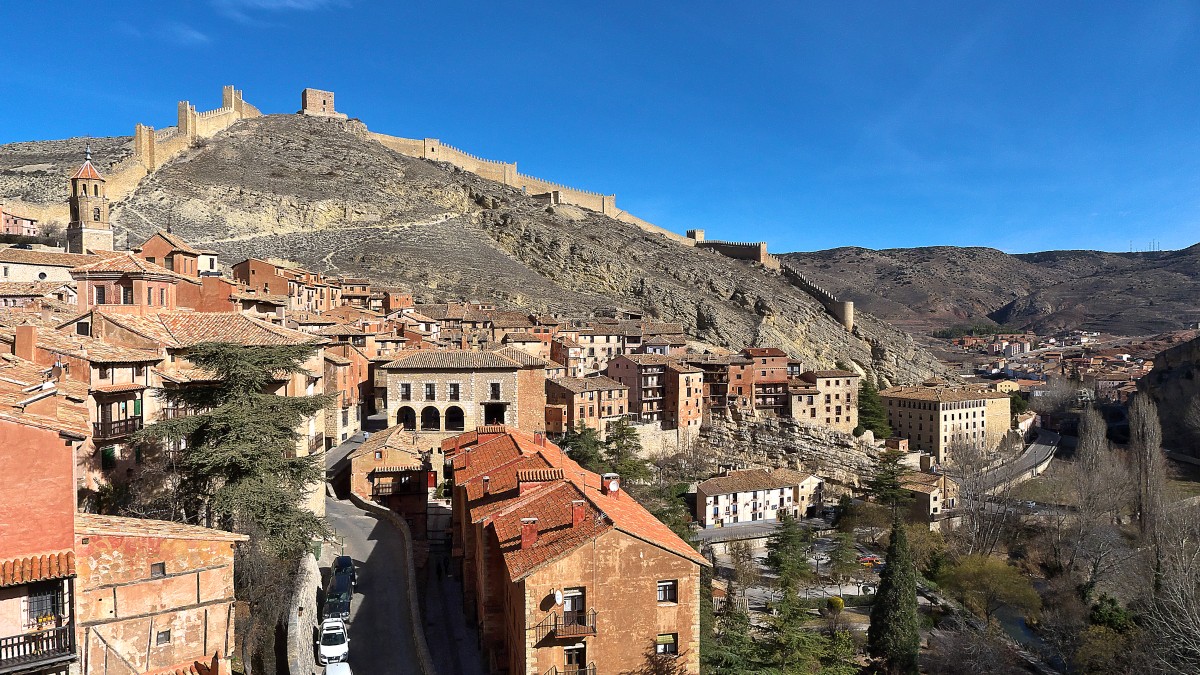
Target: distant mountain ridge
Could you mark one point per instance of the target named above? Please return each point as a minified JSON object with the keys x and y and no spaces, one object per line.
{"x":924,"y":289}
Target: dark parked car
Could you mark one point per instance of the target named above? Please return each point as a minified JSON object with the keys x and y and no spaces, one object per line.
{"x":344,"y":565}
{"x":337,"y":598}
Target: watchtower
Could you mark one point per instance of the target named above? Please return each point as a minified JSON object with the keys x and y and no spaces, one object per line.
{"x":88,"y":229}
{"x":319,"y":103}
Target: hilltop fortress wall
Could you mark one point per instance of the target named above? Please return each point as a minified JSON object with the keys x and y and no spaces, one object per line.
{"x":152,"y":149}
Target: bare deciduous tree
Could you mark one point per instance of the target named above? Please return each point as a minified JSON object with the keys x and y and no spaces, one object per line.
{"x":984,"y":489}
{"x":1173,"y":615}
{"x":1145,"y":445}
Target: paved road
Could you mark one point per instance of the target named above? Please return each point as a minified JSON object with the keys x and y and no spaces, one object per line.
{"x":381,"y":633}
{"x":753,"y":530}
{"x":1036,"y":453}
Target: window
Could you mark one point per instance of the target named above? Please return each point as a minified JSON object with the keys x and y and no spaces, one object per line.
{"x":101,"y":295}
{"x":139,"y":371}
{"x":104,"y":372}
{"x":96,"y":214}
{"x":6,"y":270}
{"x":495,"y":391}
{"x":163,"y":637}
{"x":108,"y":458}
{"x":668,"y":591}
{"x":454,"y":391}
{"x":149,"y":296}
{"x":45,"y":600}
{"x":430,"y":391}
{"x":667,"y":643}
{"x":406,"y":392}
{"x":158,"y":569}
{"x":378,"y":454}
{"x":162,"y":296}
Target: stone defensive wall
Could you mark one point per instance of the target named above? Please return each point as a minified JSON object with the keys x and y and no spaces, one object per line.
{"x":152,"y":149}
{"x":755,"y":252}
{"x":506,"y":172}
{"x":842,"y":310}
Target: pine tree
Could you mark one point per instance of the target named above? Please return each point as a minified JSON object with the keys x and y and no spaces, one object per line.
{"x":621,"y":453}
{"x":884,"y":483}
{"x":236,"y":469}
{"x":790,"y":647}
{"x":871,"y":414}
{"x":787,"y":552}
{"x":894,"y":635}
{"x":583,"y":445}
{"x":734,"y":650}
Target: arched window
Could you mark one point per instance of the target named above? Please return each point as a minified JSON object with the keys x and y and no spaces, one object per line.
{"x":455,"y":419}
{"x":431,"y":419}
{"x":95,"y":189}
{"x":96,"y":214}
{"x":407,"y":419}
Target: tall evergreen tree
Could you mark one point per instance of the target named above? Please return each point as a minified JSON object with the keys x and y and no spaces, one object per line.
{"x":235,"y":467}
{"x":621,"y":453}
{"x":583,"y":445}
{"x":871,"y":414}
{"x":734,"y":651}
{"x":894,"y":635}
{"x":787,"y":552}
{"x":884,"y":483}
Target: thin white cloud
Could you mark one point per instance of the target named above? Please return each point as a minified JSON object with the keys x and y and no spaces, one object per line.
{"x":241,"y":10}
{"x":182,"y":34}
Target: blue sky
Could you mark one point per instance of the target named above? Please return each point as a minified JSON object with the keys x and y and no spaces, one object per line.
{"x":1020,"y":125}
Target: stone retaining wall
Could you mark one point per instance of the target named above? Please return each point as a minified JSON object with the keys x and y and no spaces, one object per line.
{"x":303,"y":619}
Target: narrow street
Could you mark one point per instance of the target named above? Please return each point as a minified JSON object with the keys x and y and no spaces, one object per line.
{"x":381,"y":632}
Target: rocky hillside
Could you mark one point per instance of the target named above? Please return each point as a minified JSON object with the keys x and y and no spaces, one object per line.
{"x":924,"y":289}
{"x":1175,"y":385}
{"x":320,"y":192}
{"x":36,"y":172}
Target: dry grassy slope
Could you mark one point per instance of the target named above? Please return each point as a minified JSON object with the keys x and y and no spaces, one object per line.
{"x":37,"y":171}
{"x":923,"y":289}
{"x":320,"y":192}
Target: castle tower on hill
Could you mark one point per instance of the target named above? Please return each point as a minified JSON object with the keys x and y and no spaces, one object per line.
{"x":89,"y":229}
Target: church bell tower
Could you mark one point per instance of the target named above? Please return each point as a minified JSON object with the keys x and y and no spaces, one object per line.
{"x":89,"y":229}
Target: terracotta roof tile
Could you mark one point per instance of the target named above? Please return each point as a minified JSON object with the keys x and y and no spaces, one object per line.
{"x":31,"y":289}
{"x":118,"y":526}
{"x":47,"y":258}
{"x":127,"y":263}
{"x":747,"y":480}
{"x":185,"y":329}
{"x":584,"y":384}
{"x":453,"y":359}
{"x":30,"y":569}
{"x":87,"y":172}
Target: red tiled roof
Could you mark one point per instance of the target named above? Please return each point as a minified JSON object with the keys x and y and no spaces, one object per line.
{"x":763,"y":351}
{"x":20,"y":256}
{"x":119,"y":526}
{"x":583,"y":384}
{"x":186,"y":329}
{"x":127,"y":263}
{"x":454,"y":359}
{"x":176,"y":242}
{"x":87,"y":171}
{"x":34,"y":568}
{"x":118,"y":388}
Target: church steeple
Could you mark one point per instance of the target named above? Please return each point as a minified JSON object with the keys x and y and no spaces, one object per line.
{"x":89,"y":229}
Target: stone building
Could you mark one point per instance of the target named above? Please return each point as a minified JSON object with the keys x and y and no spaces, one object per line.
{"x":594,"y":402}
{"x":937,"y":418}
{"x":29,"y":266}
{"x":564,"y":571}
{"x":825,"y":397}
{"x":152,"y":595}
{"x":173,"y":253}
{"x":661,"y":389}
{"x":318,"y":102}
{"x":88,"y":229}
{"x":10,"y":223}
{"x":457,"y":390}
{"x":753,"y":495}
{"x":393,"y":469}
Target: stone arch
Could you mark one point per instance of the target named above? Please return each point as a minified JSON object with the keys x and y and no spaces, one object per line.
{"x":407,"y":418}
{"x":455,"y":419}
{"x":431,"y":419}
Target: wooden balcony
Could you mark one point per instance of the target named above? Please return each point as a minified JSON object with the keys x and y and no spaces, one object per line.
{"x":572,"y":624}
{"x":41,"y":649}
{"x":116,"y":428}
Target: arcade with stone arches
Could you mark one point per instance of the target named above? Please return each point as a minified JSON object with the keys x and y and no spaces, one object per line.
{"x":449,"y":417}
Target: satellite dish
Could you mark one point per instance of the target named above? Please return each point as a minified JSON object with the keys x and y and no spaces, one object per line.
{"x":558,"y":597}
{"x":614,"y":485}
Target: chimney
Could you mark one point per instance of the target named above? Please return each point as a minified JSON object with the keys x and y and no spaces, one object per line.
{"x":529,"y":532}
{"x":610,"y":485}
{"x":577,"y":513}
{"x":487,"y":484}
{"x":466,"y":462}
{"x":541,"y":439}
{"x":24,"y":342}
{"x":45,"y":314}
{"x":46,"y":406}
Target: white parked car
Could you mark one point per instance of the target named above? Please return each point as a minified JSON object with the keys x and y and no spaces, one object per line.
{"x":339,"y":668}
{"x":335,"y":642}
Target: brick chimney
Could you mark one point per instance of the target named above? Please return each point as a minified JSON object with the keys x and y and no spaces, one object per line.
{"x":487,"y":485}
{"x":610,"y":485}
{"x":25,"y":341}
{"x":577,"y":512}
{"x":46,"y":406}
{"x":529,"y":532}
